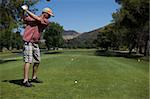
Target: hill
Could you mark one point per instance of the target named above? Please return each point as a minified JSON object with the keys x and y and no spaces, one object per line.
{"x":70,"y":34}
{"x":85,"y":39}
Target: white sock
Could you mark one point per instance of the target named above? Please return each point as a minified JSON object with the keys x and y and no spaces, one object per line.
{"x":25,"y":80}
{"x":34,"y":77}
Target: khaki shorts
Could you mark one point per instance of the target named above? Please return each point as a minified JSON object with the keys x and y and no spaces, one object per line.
{"x":31,"y":53}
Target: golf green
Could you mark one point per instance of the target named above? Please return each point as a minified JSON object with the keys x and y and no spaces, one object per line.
{"x":76,"y":74}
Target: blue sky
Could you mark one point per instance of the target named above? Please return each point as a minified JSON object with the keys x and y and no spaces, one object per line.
{"x":80,"y":15}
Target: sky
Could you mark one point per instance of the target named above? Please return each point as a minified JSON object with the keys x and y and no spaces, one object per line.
{"x":80,"y":15}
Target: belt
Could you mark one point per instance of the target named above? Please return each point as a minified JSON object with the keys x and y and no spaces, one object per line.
{"x":27,"y":43}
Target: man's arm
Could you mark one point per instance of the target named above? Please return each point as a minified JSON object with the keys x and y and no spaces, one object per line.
{"x":25,"y":8}
{"x":33,"y":15}
{"x":23,"y":15}
{"x":26,"y":18}
{"x":44,"y":22}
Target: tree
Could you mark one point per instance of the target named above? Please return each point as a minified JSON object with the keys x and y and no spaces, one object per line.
{"x":53,"y":35}
{"x":133,"y":17}
{"x":103,"y":41}
{"x":10,"y":19}
{"x":17,"y":40}
{"x":108,"y":37}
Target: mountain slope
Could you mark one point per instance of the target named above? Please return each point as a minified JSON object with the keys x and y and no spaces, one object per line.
{"x":70,"y":34}
{"x":85,"y":39}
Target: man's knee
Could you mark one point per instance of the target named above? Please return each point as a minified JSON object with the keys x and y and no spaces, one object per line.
{"x":27,"y":64}
{"x":36,"y":64}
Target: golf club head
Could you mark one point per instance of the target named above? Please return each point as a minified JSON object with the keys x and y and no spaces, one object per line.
{"x":24,"y":7}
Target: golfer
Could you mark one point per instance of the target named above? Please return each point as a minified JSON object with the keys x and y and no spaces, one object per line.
{"x":31,"y":52}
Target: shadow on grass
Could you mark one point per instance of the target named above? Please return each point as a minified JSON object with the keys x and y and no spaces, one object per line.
{"x":17,"y":82}
{"x":53,"y":52}
{"x":118,"y":54}
{"x":6,"y":61}
{"x":17,"y":52}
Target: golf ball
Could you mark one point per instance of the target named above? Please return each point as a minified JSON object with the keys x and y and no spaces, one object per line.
{"x":75,"y":81}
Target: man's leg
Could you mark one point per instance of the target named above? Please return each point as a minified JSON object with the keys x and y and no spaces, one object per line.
{"x":26,"y":72}
{"x":26,"y":83}
{"x":34,"y":74}
{"x":35,"y":69}
{"x":36,"y":60}
{"x":27,"y":53}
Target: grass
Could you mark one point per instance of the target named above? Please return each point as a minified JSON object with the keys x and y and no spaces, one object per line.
{"x":98,"y":77}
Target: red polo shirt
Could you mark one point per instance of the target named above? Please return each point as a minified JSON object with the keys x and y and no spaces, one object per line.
{"x":33,"y":29}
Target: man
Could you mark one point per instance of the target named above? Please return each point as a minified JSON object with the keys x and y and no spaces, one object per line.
{"x":34,"y":26}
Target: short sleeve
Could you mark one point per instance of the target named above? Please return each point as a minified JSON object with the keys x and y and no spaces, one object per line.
{"x":28,"y":18}
{"x":45,"y":21}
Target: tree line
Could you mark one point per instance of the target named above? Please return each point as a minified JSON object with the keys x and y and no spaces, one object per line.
{"x":129,"y":29}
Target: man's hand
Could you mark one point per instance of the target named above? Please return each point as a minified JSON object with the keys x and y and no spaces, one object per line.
{"x":25,"y":8}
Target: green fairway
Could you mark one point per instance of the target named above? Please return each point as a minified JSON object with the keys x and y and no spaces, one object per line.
{"x":98,"y":77}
